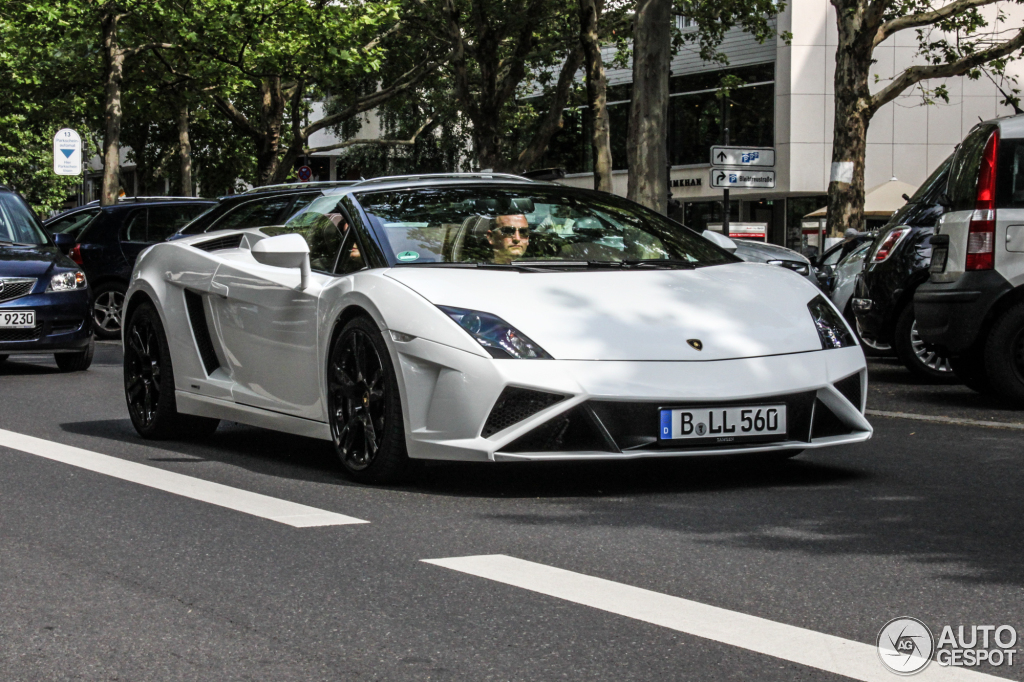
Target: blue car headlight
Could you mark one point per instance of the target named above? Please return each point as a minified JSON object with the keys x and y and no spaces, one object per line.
{"x":67,"y":281}
{"x":831,"y":326}
{"x":498,"y":337}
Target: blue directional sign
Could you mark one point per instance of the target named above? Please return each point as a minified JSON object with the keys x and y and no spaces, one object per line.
{"x":744,"y":157}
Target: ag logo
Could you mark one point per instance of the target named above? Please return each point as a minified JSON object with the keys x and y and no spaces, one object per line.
{"x":702,"y":428}
{"x":905,"y":645}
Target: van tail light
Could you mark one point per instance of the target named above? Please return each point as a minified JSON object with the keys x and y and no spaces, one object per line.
{"x":75,"y":254}
{"x":889,"y":243}
{"x":981,"y":234}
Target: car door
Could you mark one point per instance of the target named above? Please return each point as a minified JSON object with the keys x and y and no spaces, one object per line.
{"x":268,"y":327}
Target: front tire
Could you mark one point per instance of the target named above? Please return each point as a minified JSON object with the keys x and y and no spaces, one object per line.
{"x":364,"y":405}
{"x":107,"y":308}
{"x":76,"y":362}
{"x":922,"y":359}
{"x":1004,"y":356}
{"x":970,"y":370}
{"x":149,"y":381}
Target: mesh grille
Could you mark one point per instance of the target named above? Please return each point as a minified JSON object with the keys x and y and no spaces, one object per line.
{"x":850,"y":388}
{"x":516,"y":404}
{"x":21,"y":334}
{"x":15,"y":288}
{"x":197,"y":317}
{"x":232,"y":241}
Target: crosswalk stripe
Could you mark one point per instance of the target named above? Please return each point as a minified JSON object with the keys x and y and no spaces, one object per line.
{"x":282,"y":511}
{"x":799,"y":645}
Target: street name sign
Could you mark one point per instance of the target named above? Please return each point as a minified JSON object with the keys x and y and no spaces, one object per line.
{"x":744,"y":157}
{"x":742,"y":179}
{"x":67,"y":152}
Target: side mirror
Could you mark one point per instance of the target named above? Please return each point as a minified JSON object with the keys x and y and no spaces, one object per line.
{"x":719,"y":239}
{"x":284,"y":251}
{"x":64,"y":242}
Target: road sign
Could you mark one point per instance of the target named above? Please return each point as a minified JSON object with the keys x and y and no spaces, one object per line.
{"x":305,"y":173}
{"x":744,"y":157}
{"x":742,"y":179}
{"x":67,"y":152}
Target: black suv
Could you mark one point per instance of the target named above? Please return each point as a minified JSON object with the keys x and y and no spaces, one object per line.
{"x":896,"y":265}
{"x":259,"y":207}
{"x":107,"y":244}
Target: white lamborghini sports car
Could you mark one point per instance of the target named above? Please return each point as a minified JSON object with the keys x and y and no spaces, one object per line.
{"x":486,"y":318}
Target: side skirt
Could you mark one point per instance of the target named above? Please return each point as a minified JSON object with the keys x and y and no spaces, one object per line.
{"x":203,"y":406}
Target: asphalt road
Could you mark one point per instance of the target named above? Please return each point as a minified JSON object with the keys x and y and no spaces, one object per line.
{"x":105,"y":579}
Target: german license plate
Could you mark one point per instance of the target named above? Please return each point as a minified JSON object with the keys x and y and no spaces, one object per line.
{"x":724,"y":424}
{"x":938,"y":260}
{"x":20,"y":319}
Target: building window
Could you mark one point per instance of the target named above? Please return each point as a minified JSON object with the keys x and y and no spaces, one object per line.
{"x":695,"y":119}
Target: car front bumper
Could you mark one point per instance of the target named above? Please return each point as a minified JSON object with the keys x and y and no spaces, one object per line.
{"x":63,"y":324}
{"x":449,"y":395}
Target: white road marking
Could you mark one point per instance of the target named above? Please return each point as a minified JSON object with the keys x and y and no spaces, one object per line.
{"x":943,"y":420}
{"x":806,"y":647}
{"x":282,"y":511}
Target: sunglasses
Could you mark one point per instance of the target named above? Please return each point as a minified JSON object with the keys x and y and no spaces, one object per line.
{"x":509,"y":231}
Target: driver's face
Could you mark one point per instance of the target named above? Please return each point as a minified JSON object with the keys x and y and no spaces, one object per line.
{"x":510,"y":237}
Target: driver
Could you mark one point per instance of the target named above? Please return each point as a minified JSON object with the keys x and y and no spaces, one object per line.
{"x":509,"y":237}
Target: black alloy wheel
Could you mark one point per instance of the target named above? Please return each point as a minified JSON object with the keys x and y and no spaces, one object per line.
{"x":364,"y":406}
{"x":149,"y":381}
{"x":1004,"y":356}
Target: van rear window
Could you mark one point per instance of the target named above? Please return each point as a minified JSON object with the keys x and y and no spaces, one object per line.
{"x":1010,"y":174}
{"x":963,"y":174}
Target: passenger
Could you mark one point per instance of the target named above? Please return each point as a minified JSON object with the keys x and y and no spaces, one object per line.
{"x":509,"y":237}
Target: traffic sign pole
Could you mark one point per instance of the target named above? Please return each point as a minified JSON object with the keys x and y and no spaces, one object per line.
{"x":725,"y":192}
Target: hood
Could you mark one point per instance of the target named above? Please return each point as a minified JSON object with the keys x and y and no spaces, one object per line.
{"x":738,"y":310}
{"x":31,"y":261}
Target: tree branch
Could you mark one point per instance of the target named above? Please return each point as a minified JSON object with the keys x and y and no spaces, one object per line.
{"x":925,"y":18}
{"x":379,"y":142}
{"x":236,"y":116}
{"x":915,"y":74}
{"x":552,"y":120}
{"x":132,"y":51}
{"x":403,"y":83}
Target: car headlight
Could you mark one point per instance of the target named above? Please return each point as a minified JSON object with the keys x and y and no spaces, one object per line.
{"x":67,"y":281}
{"x":831,"y":326}
{"x":497,"y":336}
{"x":796,"y":266}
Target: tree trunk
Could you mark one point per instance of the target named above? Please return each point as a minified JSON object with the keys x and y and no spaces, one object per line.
{"x":853,"y":113}
{"x":184,"y":150}
{"x":646,"y":150}
{"x":268,"y":144}
{"x":597,"y":94}
{"x":113,"y":63}
{"x":487,"y":139}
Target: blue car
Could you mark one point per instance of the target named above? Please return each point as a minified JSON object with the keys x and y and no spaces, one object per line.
{"x":44,"y":296}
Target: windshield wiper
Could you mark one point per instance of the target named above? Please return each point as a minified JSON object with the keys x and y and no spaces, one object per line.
{"x":660,"y":262}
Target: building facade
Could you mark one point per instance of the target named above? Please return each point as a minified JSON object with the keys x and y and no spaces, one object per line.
{"x":786,"y":102}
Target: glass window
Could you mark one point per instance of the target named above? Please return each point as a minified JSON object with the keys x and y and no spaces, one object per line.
{"x":72,"y":224}
{"x":135,"y":227}
{"x":258,"y":213}
{"x":323,"y":227}
{"x":166,"y":220}
{"x":962,"y":187}
{"x":1010,"y":174}
{"x":545,"y":226}
{"x":18,"y":224}
{"x":352,"y":259}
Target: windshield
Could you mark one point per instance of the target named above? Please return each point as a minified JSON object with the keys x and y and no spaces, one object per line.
{"x":539,"y":226}
{"x":17,"y":223}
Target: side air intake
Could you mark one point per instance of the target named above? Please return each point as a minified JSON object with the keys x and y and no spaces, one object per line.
{"x":516,"y":404}
{"x":197,"y":318}
{"x":232,"y":241}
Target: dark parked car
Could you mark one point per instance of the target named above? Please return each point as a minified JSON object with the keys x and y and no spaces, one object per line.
{"x":895,"y":267}
{"x":825,"y":265}
{"x":107,"y":245}
{"x":44,"y":297}
{"x":259,"y":207}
